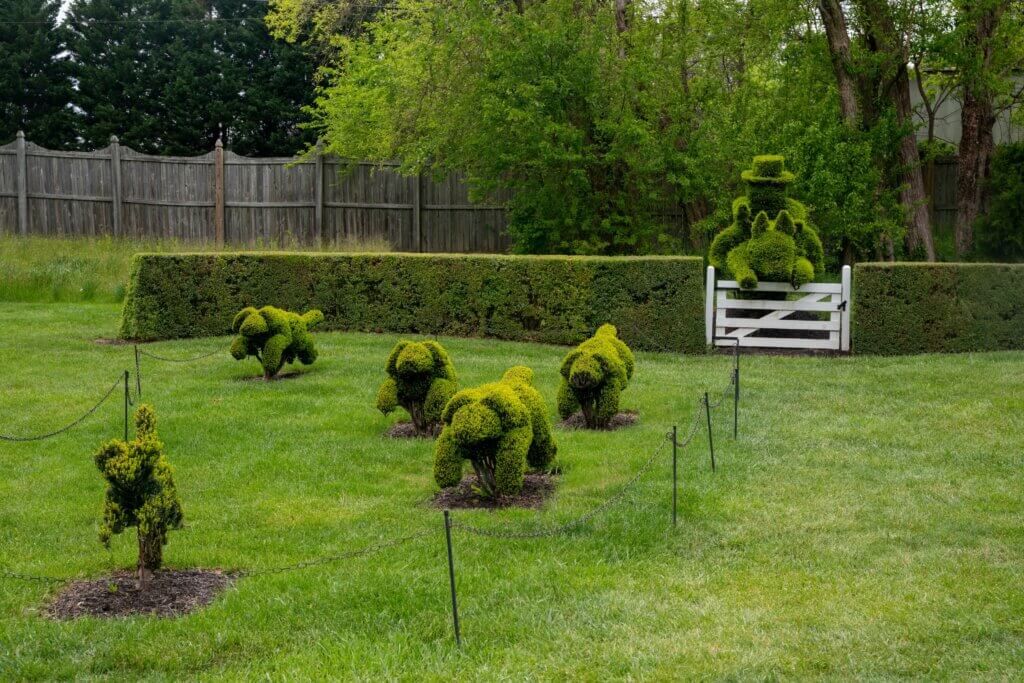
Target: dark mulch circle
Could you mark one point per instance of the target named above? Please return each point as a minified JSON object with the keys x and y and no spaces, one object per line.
{"x":626,"y":418}
{"x":537,"y":488}
{"x":405,"y":430}
{"x":291,"y":374}
{"x":169,"y":594}
{"x":105,"y":341}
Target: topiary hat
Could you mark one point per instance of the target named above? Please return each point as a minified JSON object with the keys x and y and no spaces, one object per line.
{"x":769,"y":169}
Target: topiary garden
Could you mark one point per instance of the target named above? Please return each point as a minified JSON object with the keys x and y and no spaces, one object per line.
{"x":274,"y":337}
{"x":501,"y":428}
{"x":770,"y":237}
{"x":594,"y":375}
{"x":421,"y":379}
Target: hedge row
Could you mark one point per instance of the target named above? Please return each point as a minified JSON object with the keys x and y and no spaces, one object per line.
{"x":656,"y":302}
{"x":901,"y":308}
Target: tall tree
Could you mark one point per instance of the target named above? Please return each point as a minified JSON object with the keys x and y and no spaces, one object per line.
{"x":35,"y":79}
{"x":876,"y":85}
{"x":984,"y":58}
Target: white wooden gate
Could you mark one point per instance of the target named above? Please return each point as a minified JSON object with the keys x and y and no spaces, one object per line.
{"x":728,"y":319}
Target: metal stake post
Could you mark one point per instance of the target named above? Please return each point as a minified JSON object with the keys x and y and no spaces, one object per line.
{"x":126,"y":399}
{"x":451,"y":576}
{"x":138,"y":374}
{"x":711,"y":441}
{"x":675,"y":449}
{"x":736,"y":393}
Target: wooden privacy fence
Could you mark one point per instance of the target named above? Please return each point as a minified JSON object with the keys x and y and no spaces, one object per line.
{"x":224,"y":198}
{"x":816,"y":316}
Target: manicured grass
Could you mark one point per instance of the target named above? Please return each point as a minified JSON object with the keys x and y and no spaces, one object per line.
{"x":867,"y":523}
{"x":44,"y":269}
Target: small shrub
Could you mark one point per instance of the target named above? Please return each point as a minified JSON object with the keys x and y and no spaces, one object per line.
{"x":594,"y":375}
{"x":757,"y":246}
{"x":274,"y":337}
{"x":421,"y":379}
{"x":140,"y":492}
{"x":501,"y":428}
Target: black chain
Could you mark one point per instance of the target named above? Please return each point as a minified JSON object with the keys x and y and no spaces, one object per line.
{"x":17,"y":576}
{"x":167,"y":359}
{"x":368,"y":550}
{"x":694,"y":424}
{"x":726,"y":392}
{"x":562,"y":528}
{"x":39,"y":437}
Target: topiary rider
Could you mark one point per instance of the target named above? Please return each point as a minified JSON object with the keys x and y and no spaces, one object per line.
{"x":594,"y":374}
{"x":500,"y":428}
{"x":140,"y":492}
{"x":770,"y":237}
{"x":421,"y":379}
{"x":274,"y":337}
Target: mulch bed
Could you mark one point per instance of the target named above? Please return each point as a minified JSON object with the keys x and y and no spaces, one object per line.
{"x":626,"y":418}
{"x":537,"y":488}
{"x":105,"y":341}
{"x":291,"y":374}
{"x":405,"y":430}
{"x":170,"y":593}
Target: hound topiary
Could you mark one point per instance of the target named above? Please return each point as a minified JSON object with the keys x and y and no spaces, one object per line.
{"x":594,"y":374}
{"x":421,"y":379}
{"x":770,"y":237}
{"x":140,"y":492}
{"x":501,"y":428}
{"x":274,"y":337}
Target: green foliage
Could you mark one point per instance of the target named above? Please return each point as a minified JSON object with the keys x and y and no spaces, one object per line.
{"x":274,"y":337}
{"x":421,"y":379}
{"x":35,"y":74}
{"x":140,"y":491}
{"x":1000,"y":232}
{"x":786,"y":249}
{"x":500,"y":428}
{"x":594,"y":375}
{"x":655,"y":302}
{"x":204,"y":79}
{"x":937,"y":308}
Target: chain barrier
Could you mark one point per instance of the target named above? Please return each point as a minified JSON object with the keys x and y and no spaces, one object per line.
{"x":18,"y":576}
{"x":40,"y":437}
{"x":305,"y":564}
{"x":167,"y":359}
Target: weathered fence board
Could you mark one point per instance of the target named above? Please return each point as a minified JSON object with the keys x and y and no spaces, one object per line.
{"x":223,"y":197}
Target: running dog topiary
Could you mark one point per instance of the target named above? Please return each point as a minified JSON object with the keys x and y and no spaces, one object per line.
{"x":594,"y":375}
{"x":501,"y":428}
{"x":421,"y":379}
{"x":274,"y":337}
{"x":140,"y":492}
{"x":770,"y":237}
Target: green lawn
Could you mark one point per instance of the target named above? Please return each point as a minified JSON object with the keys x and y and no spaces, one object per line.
{"x":868,"y":521}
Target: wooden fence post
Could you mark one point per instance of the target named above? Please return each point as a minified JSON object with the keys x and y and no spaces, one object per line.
{"x":417,"y":212}
{"x":115,"y":175}
{"x":318,"y":191}
{"x":22,"y":160}
{"x":709,"y":307}
{"x":844,"y":316}
{"x":218,"y":193}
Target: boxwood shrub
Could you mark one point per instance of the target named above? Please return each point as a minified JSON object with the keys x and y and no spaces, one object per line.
{"x":655,"y":302}
{"x":901,"y":308}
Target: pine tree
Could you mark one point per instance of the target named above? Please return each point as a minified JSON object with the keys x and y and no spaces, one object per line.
{"x":35,"y":82}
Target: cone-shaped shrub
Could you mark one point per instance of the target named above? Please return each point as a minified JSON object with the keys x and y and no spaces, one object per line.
{"x":784,"y":248}
{"x":500,"y":428}
{"x":594,"y":375}
{"x":421,"y":379}
{"x":274,"y":337}
{"x":140,"y":492}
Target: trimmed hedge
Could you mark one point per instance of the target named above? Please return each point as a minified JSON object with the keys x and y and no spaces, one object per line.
{"x":655,"y":302}
{"x":901,"y":308}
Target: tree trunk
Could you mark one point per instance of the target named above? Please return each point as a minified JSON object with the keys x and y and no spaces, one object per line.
{"x":977,"y":118}
{"x":912,"y":194}
{"x":839,"y":49}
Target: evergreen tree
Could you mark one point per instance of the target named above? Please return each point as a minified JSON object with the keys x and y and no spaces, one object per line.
{"x":35,"y":83}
